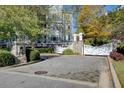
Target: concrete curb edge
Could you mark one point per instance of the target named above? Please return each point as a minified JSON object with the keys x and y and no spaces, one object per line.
{"x":115,"y":79}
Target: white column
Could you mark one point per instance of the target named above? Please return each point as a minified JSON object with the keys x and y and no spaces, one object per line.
{"x":80,"y":36}
{"x":67,"y":38}
{"x":75,"y":37}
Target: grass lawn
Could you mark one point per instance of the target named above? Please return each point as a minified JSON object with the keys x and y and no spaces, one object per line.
{"x":119,"y":68}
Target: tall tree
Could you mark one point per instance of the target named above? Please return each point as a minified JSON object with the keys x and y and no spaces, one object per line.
{"x":117,"y":20}
{"x":116,"y":16}
{"x":21,"y":20}
{"x":93,"y":22}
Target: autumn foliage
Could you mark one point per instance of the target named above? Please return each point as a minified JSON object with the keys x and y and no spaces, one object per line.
{"x":93,"y":22}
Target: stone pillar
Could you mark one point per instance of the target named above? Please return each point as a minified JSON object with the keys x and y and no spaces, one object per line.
{"x":78,"y":43}
{"x":20,"y":58}
{"x":81,"y":43}
{"x":14,"y":49}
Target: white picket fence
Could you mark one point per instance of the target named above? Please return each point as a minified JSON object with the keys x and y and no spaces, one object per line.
{"x":98,"y":50}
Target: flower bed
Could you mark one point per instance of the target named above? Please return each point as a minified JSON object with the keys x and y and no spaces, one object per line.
{"x":116,"y":56}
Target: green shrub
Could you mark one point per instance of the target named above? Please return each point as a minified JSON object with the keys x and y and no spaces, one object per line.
{"x":100,"y":41}
{"x":96,"y":42}
{"x":4,"y":48}
{"x":6,"y":58}
{"x":45,"y":50}
{"x":34,"y":55}
{"x":69,"y":52}
{"x":88,"y":41}
{"x":28,"y":51}
{"x":120,"y":48}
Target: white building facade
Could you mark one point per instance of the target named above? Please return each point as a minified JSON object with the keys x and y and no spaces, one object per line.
{"x":60,"y":23}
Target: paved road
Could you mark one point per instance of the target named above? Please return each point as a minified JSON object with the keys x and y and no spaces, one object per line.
{"x":24,"y":76}
{"x":16,"y":80}
{"x":64,"y":64}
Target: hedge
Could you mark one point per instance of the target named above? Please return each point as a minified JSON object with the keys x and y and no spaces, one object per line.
{"x":6,"y":58}
{"x":69,"y":52}
{"x":34,"y":55}
{"x":120,"y":48}
{"x":96,"y":42}
{"x":45,"y":50}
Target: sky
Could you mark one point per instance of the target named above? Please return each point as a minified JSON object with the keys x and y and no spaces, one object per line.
{"x":109,"y":8}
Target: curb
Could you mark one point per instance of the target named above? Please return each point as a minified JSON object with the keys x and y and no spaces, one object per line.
{"x":18,"y":65}
{"x":71,"y":55}
{"x":105,"y":78}
{"x":115,"y":79}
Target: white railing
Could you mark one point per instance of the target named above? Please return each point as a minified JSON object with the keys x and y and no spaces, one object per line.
{"x":60,"y":49}
{"x":98,"y":50}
